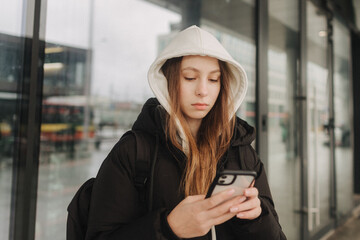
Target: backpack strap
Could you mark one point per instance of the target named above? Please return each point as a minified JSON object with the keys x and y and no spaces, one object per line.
{"x":142,"y":163}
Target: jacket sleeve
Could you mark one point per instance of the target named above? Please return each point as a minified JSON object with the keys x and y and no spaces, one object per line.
{"x":116,"y":211}
{"x":266,"y":226}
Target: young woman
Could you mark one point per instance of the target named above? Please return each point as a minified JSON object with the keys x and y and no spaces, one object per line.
{"x":198,"y":88}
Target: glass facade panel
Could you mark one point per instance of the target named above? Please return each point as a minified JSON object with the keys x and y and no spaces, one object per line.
{"x":11,"y":46}
{"x":95,"y":82}
{"x":284,"y":165}
{"x":318,"y":138}
{"x":343,"y":120}
{"x":10,"y":65}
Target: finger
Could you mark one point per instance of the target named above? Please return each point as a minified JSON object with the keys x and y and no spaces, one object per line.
{"x":228,"y":214}
{"x":251,"y":214}
{"x":217,"y":199}
{"x":225,"y":207}
{"x":249,"y":204}
{"x":251,"y":192}
{"x":222,"y":218}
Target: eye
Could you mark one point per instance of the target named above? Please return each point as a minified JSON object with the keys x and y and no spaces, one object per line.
{"x":214,"y":80}
{"x":188,"y":78}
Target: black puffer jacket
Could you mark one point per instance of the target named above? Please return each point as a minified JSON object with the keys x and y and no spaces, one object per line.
{"x":116,"y":211}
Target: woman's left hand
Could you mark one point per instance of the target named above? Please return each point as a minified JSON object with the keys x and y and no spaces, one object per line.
{"x":250,"y":208}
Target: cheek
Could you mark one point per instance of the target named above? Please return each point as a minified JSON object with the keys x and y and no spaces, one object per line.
{"x":215,"y":95}
{"x":216,"y":91}
{"x":184,"y":89}
{"x":182,"y":94}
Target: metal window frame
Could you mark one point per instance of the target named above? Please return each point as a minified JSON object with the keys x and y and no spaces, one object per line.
{"x":331,"y":116}
{"x":355,"y":45}
{"x":261,"y":88}
{"x":27,"y":135}
{"x":301,"y":103}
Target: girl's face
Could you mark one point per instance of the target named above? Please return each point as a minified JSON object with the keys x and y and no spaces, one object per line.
{"x":199,"y":86}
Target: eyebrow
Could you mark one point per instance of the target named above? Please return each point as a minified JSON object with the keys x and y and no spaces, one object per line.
{"x":197,"y":70}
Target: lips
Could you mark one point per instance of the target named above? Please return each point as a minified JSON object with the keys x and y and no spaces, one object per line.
{"x":200,"y":106}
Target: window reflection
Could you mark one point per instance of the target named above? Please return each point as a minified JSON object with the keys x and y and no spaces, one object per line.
{"x":343,"y":122}
{"x":318,"y":114}
{"x":284,"y":167}
{"x":11,"y":47}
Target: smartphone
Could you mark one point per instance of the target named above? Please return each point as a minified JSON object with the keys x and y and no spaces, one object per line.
{"x":238,"y":180}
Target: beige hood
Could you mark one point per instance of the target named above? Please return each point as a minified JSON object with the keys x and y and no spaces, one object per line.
{"x":196,"y":41}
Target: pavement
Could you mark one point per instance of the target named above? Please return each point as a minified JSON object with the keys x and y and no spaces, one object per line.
{"x":350,"y":230}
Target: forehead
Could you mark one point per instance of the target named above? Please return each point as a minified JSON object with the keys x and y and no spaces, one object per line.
{"x":204,"y":63}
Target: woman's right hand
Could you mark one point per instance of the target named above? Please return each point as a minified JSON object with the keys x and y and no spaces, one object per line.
{"x":195,"y":215}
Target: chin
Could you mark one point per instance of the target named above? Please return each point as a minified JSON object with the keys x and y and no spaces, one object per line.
{"x":199,"y":116}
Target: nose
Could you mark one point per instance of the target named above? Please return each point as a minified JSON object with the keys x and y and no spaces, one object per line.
{"x":202,"y":88}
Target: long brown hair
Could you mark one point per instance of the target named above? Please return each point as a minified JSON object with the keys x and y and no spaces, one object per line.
{"x":214,"y":134}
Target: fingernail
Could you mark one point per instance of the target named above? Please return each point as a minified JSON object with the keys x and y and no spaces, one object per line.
{"x":240,"y":215}
{"x":234,"y":209}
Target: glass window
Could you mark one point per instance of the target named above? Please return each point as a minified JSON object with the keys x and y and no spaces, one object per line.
{"x":11,"y":45}
{"x":318,"y":138}
{"x":284,"y":166}
{"x":343,"y":120}
{"x":95,"y":82}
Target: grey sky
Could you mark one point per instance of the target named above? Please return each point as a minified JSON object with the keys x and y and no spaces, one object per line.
{"x":125,"y":45}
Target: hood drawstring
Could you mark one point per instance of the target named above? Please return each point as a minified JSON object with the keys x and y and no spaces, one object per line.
{"x":153,"y":163}
{"x":213,"y":233}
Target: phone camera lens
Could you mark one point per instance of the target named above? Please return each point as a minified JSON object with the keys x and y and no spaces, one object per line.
{"x":224,"y":176}
{"x":221,"y":181}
